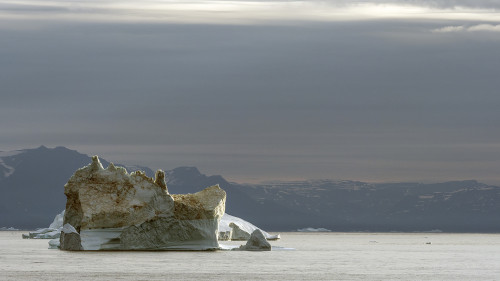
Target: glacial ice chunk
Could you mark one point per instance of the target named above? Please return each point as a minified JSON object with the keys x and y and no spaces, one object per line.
{"x":311,"y":229}
{"x":52,"y":232}
{"x":257,"y":242}
{"x":113,"y":210}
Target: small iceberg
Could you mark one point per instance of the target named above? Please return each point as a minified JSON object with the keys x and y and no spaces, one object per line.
{"x":4,"y":228}
{"x":434,"y":231}
{"x":237,"y":229}
{"x":256,"y":242}
{"x":52,"y":232}
{"x":310,"y":229}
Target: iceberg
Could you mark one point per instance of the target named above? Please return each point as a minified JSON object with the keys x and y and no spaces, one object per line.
{"x":256,"y":242}
{"x":54,"y":243}
{"x":57,"y":223}
{"x":310,"y":229}
{"x":226,"y":233}
{"x":52,"y":232}
{"x":4,"y":228}
{"x":110,"y":209}
{"x":234,"y":228}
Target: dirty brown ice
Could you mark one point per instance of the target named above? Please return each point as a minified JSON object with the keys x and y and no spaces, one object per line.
{"x":110,"y":209}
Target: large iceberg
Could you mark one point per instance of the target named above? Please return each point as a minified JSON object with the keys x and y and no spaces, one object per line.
{"x":110,"y":209}
{"x":230,"y":228}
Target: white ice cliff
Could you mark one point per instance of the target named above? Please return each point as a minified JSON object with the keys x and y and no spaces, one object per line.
{"x":110,"y":209}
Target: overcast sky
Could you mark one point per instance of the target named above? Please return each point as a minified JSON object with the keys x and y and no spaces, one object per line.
{"x":262,"y":90}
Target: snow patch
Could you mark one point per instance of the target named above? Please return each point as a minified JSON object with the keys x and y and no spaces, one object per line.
{"x":10,"y":170}
{"x":10,"y":153}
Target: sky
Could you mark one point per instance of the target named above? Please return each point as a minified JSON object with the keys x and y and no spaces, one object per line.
{"x":259,"y":90}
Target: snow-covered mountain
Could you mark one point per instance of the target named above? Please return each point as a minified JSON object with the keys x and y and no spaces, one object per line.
{"x":32,"y":193}
{"x":456,"y":206}
{"x":32,"y":187}
{"x":266,"y":213}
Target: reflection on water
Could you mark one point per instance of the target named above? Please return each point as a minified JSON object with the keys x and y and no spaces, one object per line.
{"x":327,"y":256}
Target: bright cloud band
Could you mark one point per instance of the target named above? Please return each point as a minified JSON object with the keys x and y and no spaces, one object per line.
{"x":473,"y":28}
{"x":243,"y":12}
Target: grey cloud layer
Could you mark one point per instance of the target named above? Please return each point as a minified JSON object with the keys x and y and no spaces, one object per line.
{"x":367,"y":100}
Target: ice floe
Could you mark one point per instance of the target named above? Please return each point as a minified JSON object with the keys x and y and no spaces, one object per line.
{"x":310,"y":229}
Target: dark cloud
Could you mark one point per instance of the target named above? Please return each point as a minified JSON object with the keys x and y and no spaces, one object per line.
{"x":363,"y":100}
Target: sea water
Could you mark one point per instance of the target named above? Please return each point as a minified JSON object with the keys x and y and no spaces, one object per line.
{"x":315,"y":256}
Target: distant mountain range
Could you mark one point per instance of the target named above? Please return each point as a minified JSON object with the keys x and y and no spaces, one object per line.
{"x":32,"y":193}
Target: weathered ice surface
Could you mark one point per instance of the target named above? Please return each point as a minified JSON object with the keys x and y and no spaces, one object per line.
{"x":225,"y":231}
{"x":113,"y":210}
{"x":225,"y":234}
{"x":257,"y":242}
{"x":234,"y":228}
{"x":43,"y":233}
{"x":55,"y":243}
{"x":70,"y":239}
{"x":238,"y":233}
{"x":58,"y":221}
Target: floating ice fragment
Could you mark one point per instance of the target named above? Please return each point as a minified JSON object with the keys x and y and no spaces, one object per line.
{"x":310,"y":229}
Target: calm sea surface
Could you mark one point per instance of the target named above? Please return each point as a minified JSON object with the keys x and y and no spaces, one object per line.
{"x":316,"y":256}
